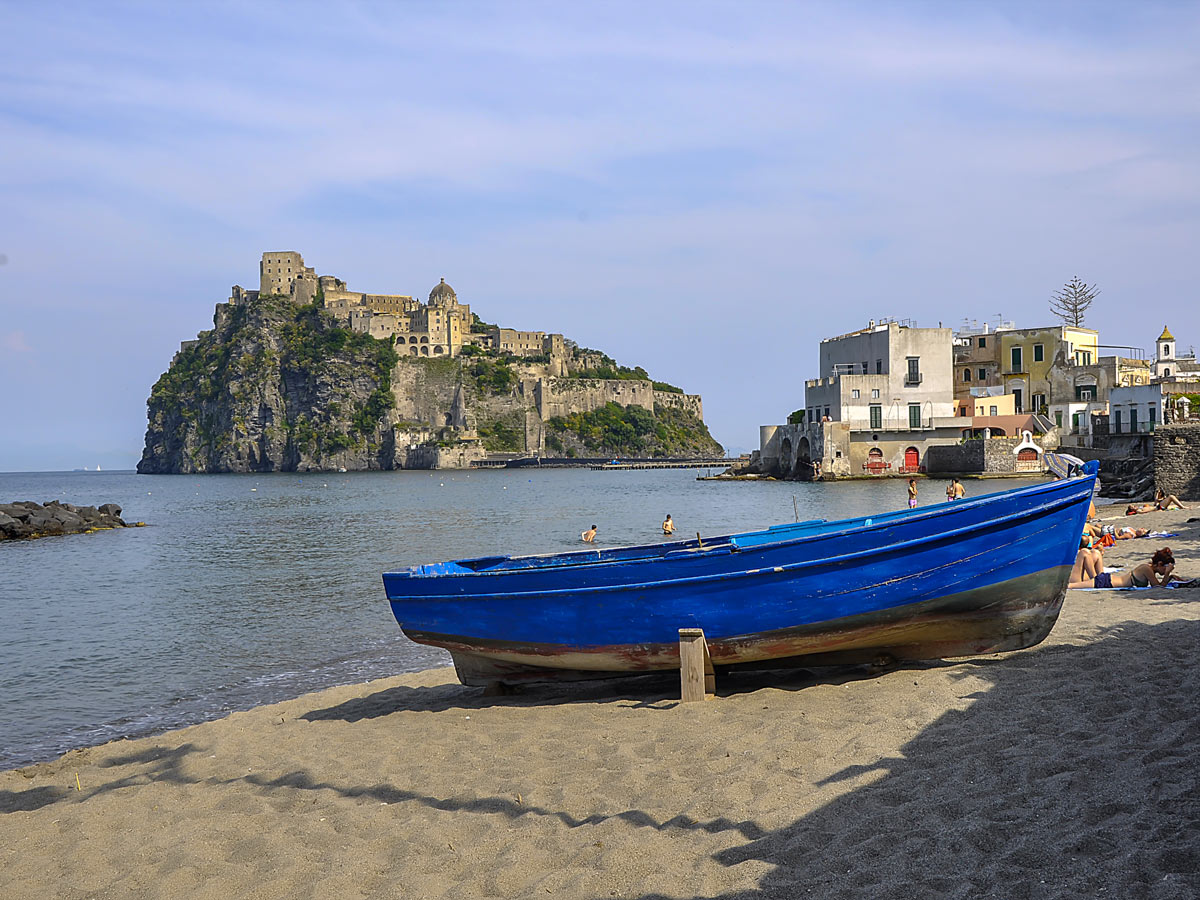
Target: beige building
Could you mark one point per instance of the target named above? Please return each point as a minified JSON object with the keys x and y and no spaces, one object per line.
{"x":439,"y":328}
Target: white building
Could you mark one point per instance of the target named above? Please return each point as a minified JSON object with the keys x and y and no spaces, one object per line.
{"x":1135,"y":410}
{"x":892,"y":385}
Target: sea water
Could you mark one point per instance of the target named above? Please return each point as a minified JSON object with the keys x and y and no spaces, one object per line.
{"x":249,"y":589}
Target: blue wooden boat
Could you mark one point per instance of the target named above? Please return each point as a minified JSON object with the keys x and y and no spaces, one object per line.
{"x":954,"y":579}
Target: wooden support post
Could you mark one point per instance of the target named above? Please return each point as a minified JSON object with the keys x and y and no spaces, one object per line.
{"x":696,"y":678}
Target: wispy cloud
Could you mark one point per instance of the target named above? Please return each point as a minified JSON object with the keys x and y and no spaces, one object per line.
{"x":14,"y":342}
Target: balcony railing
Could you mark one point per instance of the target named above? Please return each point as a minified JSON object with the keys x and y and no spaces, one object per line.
{"x":911,"y":378}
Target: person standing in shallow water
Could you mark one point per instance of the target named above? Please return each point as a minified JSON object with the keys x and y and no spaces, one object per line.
{"x":912,"y":493}
{"x":958,"y":489}
{"x":668,"y":526}
{"x":588,"y":536}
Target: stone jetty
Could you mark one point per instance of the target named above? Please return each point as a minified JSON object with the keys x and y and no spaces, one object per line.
{"x":26,"y":519}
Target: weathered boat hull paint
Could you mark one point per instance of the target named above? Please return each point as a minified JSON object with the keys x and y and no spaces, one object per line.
{"x":1009,"y":616}
{"x":962,"y":579}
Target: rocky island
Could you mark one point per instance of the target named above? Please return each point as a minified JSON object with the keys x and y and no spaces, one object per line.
{"x":306,"y":375}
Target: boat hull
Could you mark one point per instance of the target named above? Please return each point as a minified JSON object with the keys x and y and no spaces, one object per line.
{"x":960,"y":579}
{"x":1013,"y":615}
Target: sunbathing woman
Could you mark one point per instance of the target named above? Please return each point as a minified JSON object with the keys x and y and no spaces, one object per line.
{"x":1157,"y":572}
{"x":1088,"y":562}
{"x":1166,"y":501}
{"x":1127,"y":533}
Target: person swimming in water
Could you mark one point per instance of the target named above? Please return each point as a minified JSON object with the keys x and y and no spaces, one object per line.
{"x":668,"y":526}
{"x":1156,"y":573}
{"x":588,"y":536}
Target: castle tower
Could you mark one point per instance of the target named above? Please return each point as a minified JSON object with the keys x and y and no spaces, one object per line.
{"x":1164,"y":354}
{"x":279,"y":270}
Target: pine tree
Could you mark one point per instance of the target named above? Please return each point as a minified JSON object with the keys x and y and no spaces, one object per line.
{"x":1072,"y":301}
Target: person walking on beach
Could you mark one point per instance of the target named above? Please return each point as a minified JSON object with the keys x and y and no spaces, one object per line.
{"x":668,"y":526}
{"x":588,"y":536}
{"x":912,"y":493}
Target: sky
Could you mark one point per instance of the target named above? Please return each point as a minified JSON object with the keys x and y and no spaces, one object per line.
{"x":703,"y":189}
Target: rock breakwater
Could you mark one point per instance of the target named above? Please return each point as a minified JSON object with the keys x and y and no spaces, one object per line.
{"x":26,"y":519}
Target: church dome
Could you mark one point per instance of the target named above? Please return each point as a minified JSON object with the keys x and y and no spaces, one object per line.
{"x":442,"y":292}
{"x":1165,"y":336}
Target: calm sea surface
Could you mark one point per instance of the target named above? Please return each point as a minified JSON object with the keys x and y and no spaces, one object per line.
{"x":248,"y":589}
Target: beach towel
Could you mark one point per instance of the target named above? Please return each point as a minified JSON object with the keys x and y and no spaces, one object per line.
{"x":1163,"y":534}
{"x":1171,"y":586}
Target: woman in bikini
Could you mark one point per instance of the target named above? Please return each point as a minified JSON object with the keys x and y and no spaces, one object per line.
{"x":1166,"y":501}
{"x":1155,"y":573}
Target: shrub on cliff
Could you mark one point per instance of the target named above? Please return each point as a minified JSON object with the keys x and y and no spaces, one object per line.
{"x":633,"y":431}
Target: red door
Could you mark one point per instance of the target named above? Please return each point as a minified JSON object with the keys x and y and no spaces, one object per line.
{"x":912,"y":459}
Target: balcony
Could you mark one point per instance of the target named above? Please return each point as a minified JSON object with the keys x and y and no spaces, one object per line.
{"x":911,"y":379}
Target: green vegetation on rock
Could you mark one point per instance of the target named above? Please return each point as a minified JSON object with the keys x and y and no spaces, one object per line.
{"x":632,"y":431}
{"x":273,"y":386}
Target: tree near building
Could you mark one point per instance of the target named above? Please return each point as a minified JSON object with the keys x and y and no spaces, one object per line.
{"x":1072,"y":300}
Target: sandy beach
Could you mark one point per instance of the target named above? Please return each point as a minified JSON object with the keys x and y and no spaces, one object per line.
{"x":1067,"y":770}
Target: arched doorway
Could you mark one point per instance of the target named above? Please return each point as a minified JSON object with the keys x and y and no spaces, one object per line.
{"x":803,"y":468}
{"x":785,"y":457}
{"x":874,"y":464}
{"x":912,"y":459}
{"x":1027,"y":460}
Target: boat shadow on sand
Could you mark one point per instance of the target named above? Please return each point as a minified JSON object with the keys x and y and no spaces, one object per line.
{"x":1071,"y":773}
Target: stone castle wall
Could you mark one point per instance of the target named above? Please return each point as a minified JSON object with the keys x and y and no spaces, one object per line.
{"x":1177,"y":460}
{"x":565,"y":396}
{"x":687,"y":402}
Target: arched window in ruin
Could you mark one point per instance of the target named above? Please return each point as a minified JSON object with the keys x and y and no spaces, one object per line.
{"x":438,"y":351}
{"x":424,"y":351}
{"x":413,"y":339}
{"x":425,"y":340}
{"x":413,"y":350}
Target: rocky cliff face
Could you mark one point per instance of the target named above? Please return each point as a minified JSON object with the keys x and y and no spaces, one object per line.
{"x":273,"y":387}
{"x":280,"y":387}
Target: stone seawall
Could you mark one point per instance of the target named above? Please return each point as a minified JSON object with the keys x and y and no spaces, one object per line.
{"x":1177,"y":460}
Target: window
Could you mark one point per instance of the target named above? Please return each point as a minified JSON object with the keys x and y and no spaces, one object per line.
{"x":983,"y":374}
{"x":827,"y":412}
{"x":1039,"y":352}
{"x":1153,"y":414}
{"x":1166,"y":373}
{"x":914,"y":370}
{"x":1058,"y":419}
{"x":876,"y":416}
{"x":1039,"y":402}
{"x":966,"y":374}
{"x":1085,"y":392}
{"x":874,"y":393}
{"x":1166,"y":350}
{"x":1133,"y":420}
{"x":866,"y":368}
{"x":1017,"y":400}
{"x":879,"y":367}
{"x":914,"y":415}
{"x":854,"y":394}
{"x":1116,"y":421}
{"x":992,"y":410}
{"x":1016,"y":359}
{"x":982,"y":342}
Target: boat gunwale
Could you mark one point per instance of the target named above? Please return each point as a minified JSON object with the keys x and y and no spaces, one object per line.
{"x":1036,"y":511}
